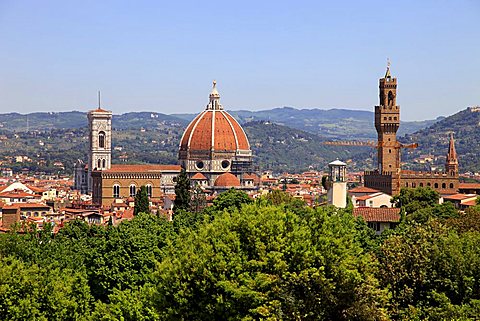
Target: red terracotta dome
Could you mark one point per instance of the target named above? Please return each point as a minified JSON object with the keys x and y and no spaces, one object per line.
{"x":214,"y":130}
{"x":227,"y":180}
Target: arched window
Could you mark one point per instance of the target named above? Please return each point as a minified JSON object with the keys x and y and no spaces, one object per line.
{"x":101,"y":139}
{"x":444,"y":185}
{"x":428,"y":184}
{"x":406,"y":184}
{"x":390,"y":98}
{"x":436,"y":185}
{"x":451,"y":185}
{"x":414,"y":185}
{"x":133,"y":190}
{"x":149,"y":190}
{"x":104,"y":163}
{"x":99,"y":164}
{"x":421,"y":184}
{"x":116,"y":191}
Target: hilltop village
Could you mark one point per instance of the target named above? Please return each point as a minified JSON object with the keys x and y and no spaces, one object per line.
{"x":215,"y":154}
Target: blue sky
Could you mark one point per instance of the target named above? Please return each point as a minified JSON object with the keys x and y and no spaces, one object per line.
{"x":163,"y":55}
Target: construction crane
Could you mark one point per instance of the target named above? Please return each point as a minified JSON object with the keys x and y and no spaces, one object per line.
{"x":371,"y":143}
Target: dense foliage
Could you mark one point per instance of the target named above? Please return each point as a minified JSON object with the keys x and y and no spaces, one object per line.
{"x":241,"y":259}
{"x":141,"y":201}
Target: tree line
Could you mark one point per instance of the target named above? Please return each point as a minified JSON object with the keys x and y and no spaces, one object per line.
{"x":272,"y":258}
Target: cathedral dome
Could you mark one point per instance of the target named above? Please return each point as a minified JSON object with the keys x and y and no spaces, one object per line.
{"x":214,"y":130}
{"x":227,"y":180}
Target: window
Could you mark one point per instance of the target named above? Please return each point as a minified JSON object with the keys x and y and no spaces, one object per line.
{"x":116,"y":191}
{"x":99,"y":164}
{"x":133,"y":190}
{"x":421,"y":184}
{"x":374,"y":225}
{"x":104,"y":163}
{"x":149,"y":190}
{"x":101,"y":139}
{"x":414,"y":185}
{"x":436,"y":185}
{"x":451,"y":185}
{"x":444,"y":185}
{"x":428,"y":184}
{"x":225,"y":164}
{"x":406,"y":184}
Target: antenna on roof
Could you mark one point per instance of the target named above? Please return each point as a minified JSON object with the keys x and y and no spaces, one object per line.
{"x":99,"y":104}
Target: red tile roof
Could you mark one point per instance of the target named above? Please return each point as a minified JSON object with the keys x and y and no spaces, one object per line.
{"x":227,"y":180}
{"x":384,"y":214}
{"x":198,"y":176}
{"x":25,"y":205}
{"x":458,"y":197}
{"x":469,"y":185}
{"x":363,"y":189}
{"x":119,"y":168}
{"x":470,"y":203}
{"x":214,"y":130}
{"x":15,"y":194}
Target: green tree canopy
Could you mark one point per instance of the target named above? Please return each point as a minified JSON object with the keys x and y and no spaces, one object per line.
{"x":182,"y":192}
{"x":265,"y":262}
{"x":413,"y":199}
{"x":142,"y":204}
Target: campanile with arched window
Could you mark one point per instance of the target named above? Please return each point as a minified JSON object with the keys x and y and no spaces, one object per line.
{"x":100,"y":141}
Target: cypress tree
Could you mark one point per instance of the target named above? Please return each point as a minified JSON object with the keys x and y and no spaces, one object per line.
{"x":141,"y":201}
{"x":182,"y":192}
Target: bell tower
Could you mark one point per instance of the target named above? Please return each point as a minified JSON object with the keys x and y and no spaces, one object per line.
{"x":387,"y":121}
{"x":451,"y":163}
{"x":100,"y":141}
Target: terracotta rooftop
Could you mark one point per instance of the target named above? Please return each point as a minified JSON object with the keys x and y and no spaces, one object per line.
{"x":459,"y":197}
{"x":198,"y":176}
{"x":25,"y":205}
{"x":469,"y":186}
{"x":363,"y":189}
{"x":368,"y":196}
{"x":214,"y":130}
{"x":16,"y":194}
{"x":384,"y":214}
{"x":119,"y":168}
{"x":227,"y":180}
{"x":470,"y":203}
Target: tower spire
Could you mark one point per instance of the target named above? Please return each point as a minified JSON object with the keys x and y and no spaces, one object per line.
{"x":387,"y":73}
{"x":99,"y":101}
{"x":214,"y":103}
{"x":451,"y":164}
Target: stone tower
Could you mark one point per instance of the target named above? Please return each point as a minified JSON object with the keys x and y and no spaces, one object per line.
{"x":337,"y":184}
{"x":100,"y":142}
{"x":451,"y":163}
{"x":387,"y":121}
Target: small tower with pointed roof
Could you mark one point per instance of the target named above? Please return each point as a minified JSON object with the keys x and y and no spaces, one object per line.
{"x":337,"y":184}
{"x":451,"y":163}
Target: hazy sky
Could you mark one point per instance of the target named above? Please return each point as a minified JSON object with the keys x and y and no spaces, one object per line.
{"x":163,"y":55}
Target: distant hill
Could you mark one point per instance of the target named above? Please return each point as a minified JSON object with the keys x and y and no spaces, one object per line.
{"x":276,"y":147}
{"x":330,"y":123}
{"x":149,"y":137}
{"x":280,"y":148}
{"x":433,"y":140}
{"x":76,"y":119}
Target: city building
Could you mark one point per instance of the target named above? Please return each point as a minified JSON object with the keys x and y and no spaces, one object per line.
{"x":214,"y":144}
{"x":214,"y":151}
{"x":389,"y":176}
{"x":337,"y":184}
